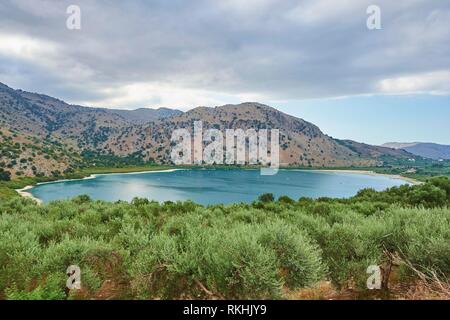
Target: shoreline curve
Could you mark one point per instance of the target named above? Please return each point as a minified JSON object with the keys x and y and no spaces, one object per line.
{"x":24,"y":193}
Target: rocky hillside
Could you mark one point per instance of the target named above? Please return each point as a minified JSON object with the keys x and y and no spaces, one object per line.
{"x":301,"y":142}
{"x":41,"y":135}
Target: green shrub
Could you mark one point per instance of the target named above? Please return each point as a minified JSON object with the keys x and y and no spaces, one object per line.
{"x":348,"y":252}
{"x":4,"y":175}
{"x":422,"y":237}
{"x":267,"y":197}
{"x":84,"y":198}
{"x":51,"y":289}
{"x":428,"y":196}
{"x":286,"y":200}
{"x":299,"y":259}
{"x":241,"y":251}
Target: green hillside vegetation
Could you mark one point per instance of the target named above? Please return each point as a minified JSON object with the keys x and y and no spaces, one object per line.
{"x":423,"y":169}
{"x":267,"y":249}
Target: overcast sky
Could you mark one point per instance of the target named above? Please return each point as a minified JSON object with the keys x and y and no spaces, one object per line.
{"x":315,"y":59}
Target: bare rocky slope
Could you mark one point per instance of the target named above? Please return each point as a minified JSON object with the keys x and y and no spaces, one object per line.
{"x":41,"y":135}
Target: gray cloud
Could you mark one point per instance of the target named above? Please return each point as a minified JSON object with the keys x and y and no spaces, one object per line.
{"x":133,"y":53}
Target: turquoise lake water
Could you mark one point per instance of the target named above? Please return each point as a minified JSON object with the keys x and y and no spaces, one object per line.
{"x":214,"y":186}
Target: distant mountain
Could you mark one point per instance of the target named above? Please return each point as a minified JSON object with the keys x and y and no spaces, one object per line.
{"x":41,"y":135}
{"x":426,"y":150}
{"x":144,"y":115}
{"x":370,"y":151}
{"x":399,"y":145}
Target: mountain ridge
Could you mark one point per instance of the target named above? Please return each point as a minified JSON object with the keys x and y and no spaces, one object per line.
{"x":143,"y":115}
{"x":37,"y":126}
{"x":428,"y":150}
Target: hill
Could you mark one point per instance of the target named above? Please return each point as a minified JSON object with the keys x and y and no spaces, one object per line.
{"x":426,"y":150}
{"x":302,"y":143}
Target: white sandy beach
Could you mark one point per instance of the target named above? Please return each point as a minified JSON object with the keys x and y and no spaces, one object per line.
{"x":372,"y":173}
{"x":23,"y":192}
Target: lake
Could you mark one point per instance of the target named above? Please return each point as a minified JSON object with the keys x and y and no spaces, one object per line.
{"x":212,"y":186}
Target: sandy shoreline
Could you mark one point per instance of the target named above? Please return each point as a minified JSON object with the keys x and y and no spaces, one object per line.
{"x":371,"y":173}
{"x":23,"y":192}
{"x":95,"y":175}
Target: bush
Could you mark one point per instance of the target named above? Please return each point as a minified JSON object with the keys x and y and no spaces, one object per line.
{"x":428,"y":196}
{"x":84,"y":198}
{"x":267,"y":197}
{"x":442,"y":183}
{"x":434,"y":193}
{"x":286,"y":200}
{"x":299,"y":259}
{"x":225,"y":264}
{"x":421,"y":237}
{"x":5,"y":175}
{"x":49,"y":290}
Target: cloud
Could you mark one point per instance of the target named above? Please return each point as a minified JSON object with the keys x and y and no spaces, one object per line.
{"x":179,"y":53}
{"x":146,"y":95}
{"x":42,"y":53}
{"x":23,"y":47}
{"x":324,"y":11}
{"x":433,"y":82}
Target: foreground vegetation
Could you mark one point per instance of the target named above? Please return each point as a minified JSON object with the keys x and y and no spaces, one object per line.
{"x":267,"y":249}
